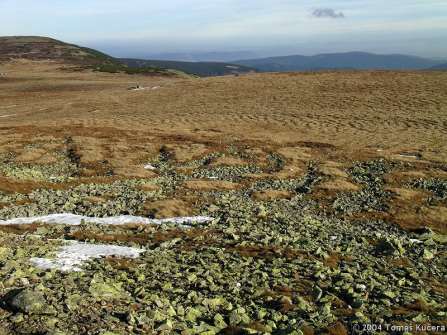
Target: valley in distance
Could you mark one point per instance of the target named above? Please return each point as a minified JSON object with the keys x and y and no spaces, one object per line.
{"x":167,"y":197}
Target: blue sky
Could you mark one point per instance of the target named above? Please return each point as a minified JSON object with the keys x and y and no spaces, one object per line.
{"x":267,"y":27}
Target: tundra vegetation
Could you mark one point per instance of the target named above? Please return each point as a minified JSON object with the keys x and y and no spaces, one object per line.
{"x":283,"y":264}
{"x":327,"y":193}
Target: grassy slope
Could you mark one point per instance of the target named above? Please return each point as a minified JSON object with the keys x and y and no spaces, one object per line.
{"x":44,"y":48}
{"x":41,"y":48}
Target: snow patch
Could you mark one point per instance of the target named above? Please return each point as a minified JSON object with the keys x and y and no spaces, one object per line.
{"x":140,"y":88}
{"x":408,"y":156}
{"x":70,"y":257}
{"x":74,"y":220}
{"x":150,"y":167}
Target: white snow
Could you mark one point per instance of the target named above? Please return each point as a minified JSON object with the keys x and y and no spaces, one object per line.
{"x":70,"y":257}
{"x":150,"y":167}
{"x":140,"y":88}
{"x":73,"y":220}
{"x":408,"y":156}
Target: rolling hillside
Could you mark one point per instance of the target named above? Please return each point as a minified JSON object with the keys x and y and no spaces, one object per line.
{"x":202,"y":69}
{"x":350,"y":60}
{"x":44,"y":48}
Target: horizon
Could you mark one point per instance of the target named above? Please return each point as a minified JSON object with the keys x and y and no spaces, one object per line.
{"x":175,"y":56}
{"x":252,"y":29}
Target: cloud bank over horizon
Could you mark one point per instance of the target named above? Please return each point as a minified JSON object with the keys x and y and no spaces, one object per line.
{"x":265,"y":27}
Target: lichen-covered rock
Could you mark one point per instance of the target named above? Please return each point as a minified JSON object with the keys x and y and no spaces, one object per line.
{"x":28,"y":301}
{"x":107,"y":290}
{"x":264,"y":265}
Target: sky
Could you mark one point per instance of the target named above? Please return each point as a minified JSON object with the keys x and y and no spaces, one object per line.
{"x":262,"y":27}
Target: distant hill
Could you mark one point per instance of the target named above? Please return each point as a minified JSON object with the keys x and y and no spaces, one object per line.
{"x":45,"y":48}
{"x":439,"y":67}
{"x":202,"y":69}
{"x":349,"y":60}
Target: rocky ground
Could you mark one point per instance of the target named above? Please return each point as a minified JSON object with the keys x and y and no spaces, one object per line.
{"x":305,"y":248}
{"x":293,"y":203}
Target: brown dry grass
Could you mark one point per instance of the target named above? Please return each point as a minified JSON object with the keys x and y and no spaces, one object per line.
{"x":168,"y":208}
{"x":20,"y":229}
{"x":271,"y":195}
{"x":393,"y":110}
{"x":328,"y":117}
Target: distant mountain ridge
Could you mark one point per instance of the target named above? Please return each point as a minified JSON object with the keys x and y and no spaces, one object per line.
{"x":348,"y":60}
{"x":439,"y":67}
{"x":202,"y":69}
{"x":213,"y":56}
{"x":44,"y":48}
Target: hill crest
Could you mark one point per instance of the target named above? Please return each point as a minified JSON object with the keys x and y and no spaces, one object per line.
{"x":46,"y":48}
